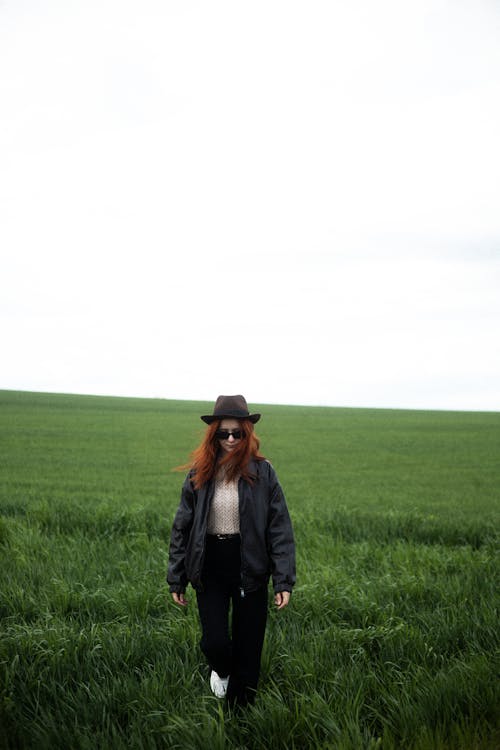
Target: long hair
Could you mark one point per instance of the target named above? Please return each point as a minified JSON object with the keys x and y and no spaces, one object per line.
{"x":208,"y":458}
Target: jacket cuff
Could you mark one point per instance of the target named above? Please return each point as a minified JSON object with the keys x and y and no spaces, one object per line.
{"x":175,"y":588}
{"x":282,"y":587}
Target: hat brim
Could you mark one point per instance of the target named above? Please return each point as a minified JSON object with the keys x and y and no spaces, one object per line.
{"x":209,"y":418}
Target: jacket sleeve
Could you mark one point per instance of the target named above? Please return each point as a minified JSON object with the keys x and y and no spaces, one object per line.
{"x":176,"y":575}
{"x":280,"y":539}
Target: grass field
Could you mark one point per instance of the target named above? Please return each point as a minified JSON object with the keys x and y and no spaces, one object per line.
{"x":390,"y":641}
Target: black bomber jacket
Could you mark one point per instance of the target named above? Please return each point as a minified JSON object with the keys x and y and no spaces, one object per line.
{"x":267,"y":544}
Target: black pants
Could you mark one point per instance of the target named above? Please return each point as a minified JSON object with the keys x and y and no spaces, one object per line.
{"x":238,"y":654}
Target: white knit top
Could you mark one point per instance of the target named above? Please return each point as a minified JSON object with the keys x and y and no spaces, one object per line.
{"x":224,"y":515}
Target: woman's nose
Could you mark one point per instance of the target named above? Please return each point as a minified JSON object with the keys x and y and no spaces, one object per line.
{"x":230,"y":436}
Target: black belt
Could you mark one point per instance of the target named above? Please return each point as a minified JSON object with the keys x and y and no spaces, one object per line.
{"x":223,"y":537}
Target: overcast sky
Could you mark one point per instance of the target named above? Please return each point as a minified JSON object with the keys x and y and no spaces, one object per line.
{"x":298,"y":201}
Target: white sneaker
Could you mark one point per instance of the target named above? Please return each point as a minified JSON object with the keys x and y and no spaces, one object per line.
{"x":218,"y":684}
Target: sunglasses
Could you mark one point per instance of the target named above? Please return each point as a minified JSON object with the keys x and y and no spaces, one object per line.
{"x":224,"y":434}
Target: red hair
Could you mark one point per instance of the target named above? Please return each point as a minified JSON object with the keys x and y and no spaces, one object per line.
{"x":207,"y":458}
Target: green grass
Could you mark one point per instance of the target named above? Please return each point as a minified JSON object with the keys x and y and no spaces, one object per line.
{"x":391,"y":639}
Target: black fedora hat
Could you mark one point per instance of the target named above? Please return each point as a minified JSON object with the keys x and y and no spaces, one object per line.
{"x":230,"y":407}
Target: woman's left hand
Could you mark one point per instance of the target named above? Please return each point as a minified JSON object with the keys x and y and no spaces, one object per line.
{"x":281,"y":599}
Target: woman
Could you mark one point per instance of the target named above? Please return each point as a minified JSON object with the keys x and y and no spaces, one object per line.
{"x":231,"y":532}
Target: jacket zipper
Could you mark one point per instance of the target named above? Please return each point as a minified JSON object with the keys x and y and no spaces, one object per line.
{"x":242,"y":590}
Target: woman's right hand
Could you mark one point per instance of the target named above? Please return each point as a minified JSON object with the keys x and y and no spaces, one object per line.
{"x":179,"y":599}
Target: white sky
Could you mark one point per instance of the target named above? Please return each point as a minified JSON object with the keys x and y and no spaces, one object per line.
{"x":298,"y":201}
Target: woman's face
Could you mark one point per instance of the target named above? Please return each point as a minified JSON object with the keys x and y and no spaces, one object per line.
{"x":229,"y":443}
